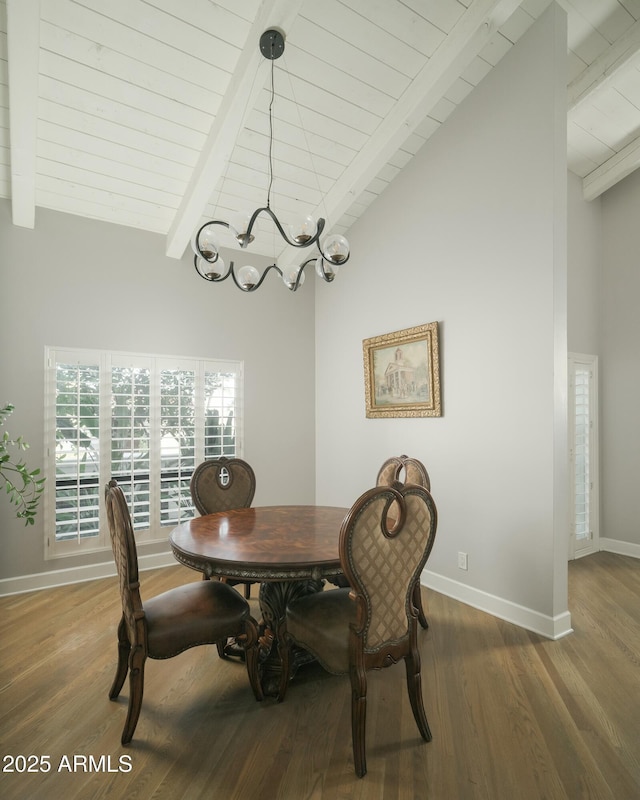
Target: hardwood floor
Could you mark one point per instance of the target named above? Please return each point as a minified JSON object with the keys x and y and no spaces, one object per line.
{"x":513,"y":715}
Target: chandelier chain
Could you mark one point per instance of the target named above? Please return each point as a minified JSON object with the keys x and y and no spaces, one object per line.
{"x":271,"y":135}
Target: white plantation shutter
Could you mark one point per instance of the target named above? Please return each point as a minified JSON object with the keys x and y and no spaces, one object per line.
{"x":77,"y":464}
{"x":222,"y":401}
{"x":178,"y":448}
{"x":583,"y":452}
{"x":582,"y":471}
{"x":146,"y":421}
{"x":131,"y":438}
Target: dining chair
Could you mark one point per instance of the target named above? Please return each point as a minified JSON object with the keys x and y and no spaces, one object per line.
{"x":220,"y":484}
{"x":205,"y":612}
{"x":373,"y":624}
{"x":404,"y":469}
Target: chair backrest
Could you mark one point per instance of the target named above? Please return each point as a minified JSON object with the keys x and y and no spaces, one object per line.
{"x":382,"y":556}
{"x":221,"y":484}
{"x":123,"y":544}
{"x":389,"y":472}
{"x":414,"y":472}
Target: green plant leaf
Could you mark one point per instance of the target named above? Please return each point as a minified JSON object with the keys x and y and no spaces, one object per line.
{"x":27,"y":496}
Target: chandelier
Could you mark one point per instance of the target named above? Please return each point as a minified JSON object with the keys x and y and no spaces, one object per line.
{"x":333,"y":251}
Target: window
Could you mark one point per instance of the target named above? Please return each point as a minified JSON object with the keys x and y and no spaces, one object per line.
{"x":144,"y":420}
{"x":583,"y":453}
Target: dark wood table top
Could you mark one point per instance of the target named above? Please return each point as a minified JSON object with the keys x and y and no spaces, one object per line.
{"x":265,"y":543}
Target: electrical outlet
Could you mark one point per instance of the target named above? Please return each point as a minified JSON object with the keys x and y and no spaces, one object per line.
{"x":463,"y":561}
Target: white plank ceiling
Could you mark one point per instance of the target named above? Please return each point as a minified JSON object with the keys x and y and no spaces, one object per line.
{"x":154,"y":113}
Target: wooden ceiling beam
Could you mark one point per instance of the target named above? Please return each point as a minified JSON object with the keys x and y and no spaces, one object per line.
{"x":623,"y":54}
{"x":23,"y":46}
{"x":612,"y":171}
{"x":596,"y":77}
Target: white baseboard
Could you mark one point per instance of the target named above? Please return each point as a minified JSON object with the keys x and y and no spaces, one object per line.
{"x":63,"y":577}
{"x":550,"y":627}
{"x":620,"y":548}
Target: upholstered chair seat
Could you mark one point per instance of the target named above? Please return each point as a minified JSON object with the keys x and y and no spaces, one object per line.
{"x":322,"y":622}
{"x":196,"y":613}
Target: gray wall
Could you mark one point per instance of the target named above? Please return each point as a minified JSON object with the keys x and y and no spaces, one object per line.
{"x":620,"y":365}
{"x":472,"y":235}
{"x":73,"y":282}
{"x":604,"y":288}
{"x":584,"y":251}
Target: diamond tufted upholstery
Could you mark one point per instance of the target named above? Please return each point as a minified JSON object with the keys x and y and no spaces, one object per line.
{"x":403,"y":469}
{"x":383,"y":566}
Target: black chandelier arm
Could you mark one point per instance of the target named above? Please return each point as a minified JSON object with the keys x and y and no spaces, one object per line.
{"x":255,"y":285}
{"x":231,"y":272}
{"x":303,"y":266}
{"x":196,"y":240}
{"x":211,"y":222}
{"x":314,"y":239}
{"x":210,"y":278}
{"x":326,"y":276}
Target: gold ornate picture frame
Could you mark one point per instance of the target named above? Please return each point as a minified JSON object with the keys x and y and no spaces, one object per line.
{"x":402,"y":373}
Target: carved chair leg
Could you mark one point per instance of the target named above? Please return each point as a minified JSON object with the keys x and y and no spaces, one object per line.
{"x":136,"y":691}
{"x":123,"y":661}
{"x":284,"y":651}
{"x":250,"y":645}
{"x":359,"y":718}
{"x":417,"y":601}
{"x":221,"y":646}
{"x":414,"y":686}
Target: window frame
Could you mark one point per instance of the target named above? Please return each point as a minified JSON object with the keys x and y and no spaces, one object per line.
{"x":107,"y":360}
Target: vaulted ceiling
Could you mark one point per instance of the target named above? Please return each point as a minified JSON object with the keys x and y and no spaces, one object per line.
{"x":155,"y":113}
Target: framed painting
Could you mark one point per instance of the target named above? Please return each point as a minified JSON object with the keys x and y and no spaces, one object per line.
{"x":402,"y":373}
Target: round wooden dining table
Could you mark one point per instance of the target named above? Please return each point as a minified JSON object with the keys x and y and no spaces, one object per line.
{"x":289,"y":550}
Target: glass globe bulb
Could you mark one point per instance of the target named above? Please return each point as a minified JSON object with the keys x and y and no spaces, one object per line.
{"x":290,"y":276}
{"x":303,"y":229}
{"x":211,"y":271}
{"x":335,"y":249}
{"x":238,"y":226}
{"x":207,"y":243}
{"x":326,"y":270}
{"x":248,"y":277}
